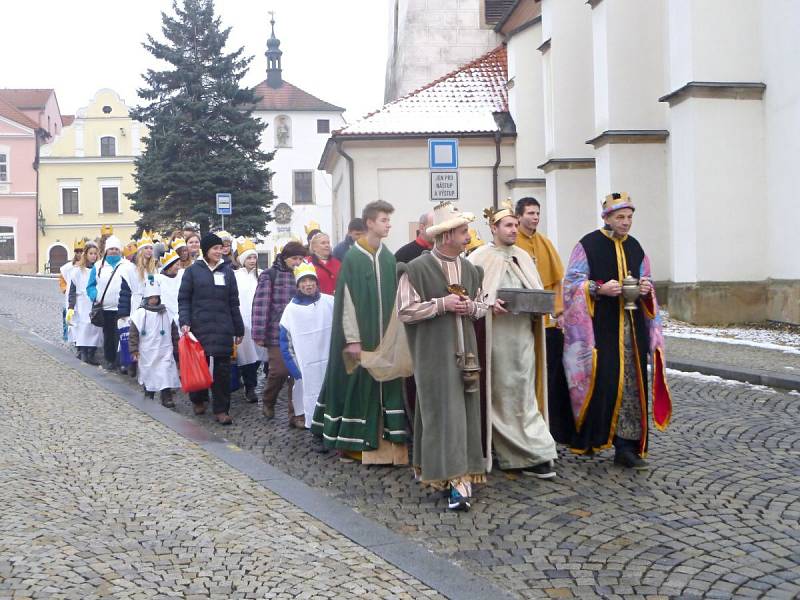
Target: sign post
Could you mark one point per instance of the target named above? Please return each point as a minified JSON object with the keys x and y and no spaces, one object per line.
{"x":224,"y":206}
{"x":444,"y":185}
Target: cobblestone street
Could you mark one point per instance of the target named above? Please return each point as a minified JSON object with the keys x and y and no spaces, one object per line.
{"x":99,"y":499}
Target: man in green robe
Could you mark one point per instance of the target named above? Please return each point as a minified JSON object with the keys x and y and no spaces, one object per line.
{"x":438,"y":297}
{"x":356,"y":414}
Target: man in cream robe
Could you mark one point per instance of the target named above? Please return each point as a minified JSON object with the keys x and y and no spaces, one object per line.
{"x":516,"y":389}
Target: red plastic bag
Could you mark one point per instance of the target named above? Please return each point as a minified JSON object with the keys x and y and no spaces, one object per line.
{"x":195,"y":375}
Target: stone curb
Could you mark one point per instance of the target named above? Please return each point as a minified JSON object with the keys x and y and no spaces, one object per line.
{"x":754,"y":376}
{"x":443,"y":576}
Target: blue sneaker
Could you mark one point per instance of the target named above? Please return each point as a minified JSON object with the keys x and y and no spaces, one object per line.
{"x":456,"y":501}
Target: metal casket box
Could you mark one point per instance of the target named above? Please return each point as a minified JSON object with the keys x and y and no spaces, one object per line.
{"x":538,"y":302}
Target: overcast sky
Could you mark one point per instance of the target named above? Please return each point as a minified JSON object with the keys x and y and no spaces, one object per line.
{"x":334,"y":49}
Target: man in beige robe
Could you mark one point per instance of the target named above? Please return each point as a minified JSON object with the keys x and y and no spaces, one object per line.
{"x":516,"y":389}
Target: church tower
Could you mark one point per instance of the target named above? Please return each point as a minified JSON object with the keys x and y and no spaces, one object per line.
{"x":273,"y":54}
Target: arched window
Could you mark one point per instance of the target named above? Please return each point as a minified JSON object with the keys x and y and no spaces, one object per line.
{"x":283,"y":132}
{"x":108,"y":146}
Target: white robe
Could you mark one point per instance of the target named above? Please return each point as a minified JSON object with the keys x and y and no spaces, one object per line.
{"x":136,"y":284}
{"x":170,"y":286}
{"x":247,"y":352}
{"x":310,"y":329}
{"x":157,"y":369}
{"x":66,"y":271}
{"x":85,"y":333}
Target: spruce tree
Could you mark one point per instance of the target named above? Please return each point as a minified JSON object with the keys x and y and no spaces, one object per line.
{"x":203,"y":138}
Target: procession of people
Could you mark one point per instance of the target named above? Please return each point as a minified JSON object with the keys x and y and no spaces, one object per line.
{"x":439,"y":356}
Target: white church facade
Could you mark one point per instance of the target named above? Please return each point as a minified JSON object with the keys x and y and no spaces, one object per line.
{"x":693,"y":108}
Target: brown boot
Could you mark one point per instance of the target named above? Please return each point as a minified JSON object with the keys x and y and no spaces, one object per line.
{"x":297,"y":422}
{"x":223,"y":419}
{"x":269,"y":411}
{"x":199,"y":408}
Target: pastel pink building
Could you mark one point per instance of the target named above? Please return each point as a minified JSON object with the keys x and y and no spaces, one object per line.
{"x":28,"y":118}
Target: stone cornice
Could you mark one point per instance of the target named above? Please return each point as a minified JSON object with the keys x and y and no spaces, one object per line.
{"x":731,"y":90}
{"x":526,"y":182}
{"x":556,"y":164}
{"x":629,"y":136}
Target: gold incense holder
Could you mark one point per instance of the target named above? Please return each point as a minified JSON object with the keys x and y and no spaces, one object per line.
{"x":630,"y":292}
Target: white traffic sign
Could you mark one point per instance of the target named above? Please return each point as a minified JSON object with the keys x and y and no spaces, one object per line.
{"x":442,"y":154}
{"x":444,"y":185}
{"x":224,"y":204}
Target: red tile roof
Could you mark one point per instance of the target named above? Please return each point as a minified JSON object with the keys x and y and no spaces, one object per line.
{"x":289,"y":97}
{"x":10,"y":112}
{"x":66,"y":120}
{"x":463,"y":101}
{"x":25,"y":99}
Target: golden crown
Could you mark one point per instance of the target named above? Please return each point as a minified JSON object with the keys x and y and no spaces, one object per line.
{"x":79,"y":244}
{"x":107,"y":230}
{"x":245,"y":246}
{"x":312,"y":225}
{"x":178,"y":242}
{"x":169,"y":258}
{"x":493,"y":215}
{"x":145,"y":240}
{"x":616,"y":201}
{"x":129,"y":249}
{"x":475,"y":240}
{"x":303,"y":270}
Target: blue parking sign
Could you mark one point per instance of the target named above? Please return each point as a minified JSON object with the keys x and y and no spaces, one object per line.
{"x":443,"y":154}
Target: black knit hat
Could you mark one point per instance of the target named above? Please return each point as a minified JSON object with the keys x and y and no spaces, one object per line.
{"x":293,"y":249}
{"x":209,"y":241}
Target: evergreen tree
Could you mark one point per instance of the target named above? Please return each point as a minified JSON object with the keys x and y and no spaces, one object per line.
{"x":203,"y":138}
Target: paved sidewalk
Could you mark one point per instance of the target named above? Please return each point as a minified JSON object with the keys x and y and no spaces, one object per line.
{"x":760,"y":366}
{"x":98,"y":500}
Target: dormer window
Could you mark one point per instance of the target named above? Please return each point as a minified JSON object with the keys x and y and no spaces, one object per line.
{"x":108,"y":146}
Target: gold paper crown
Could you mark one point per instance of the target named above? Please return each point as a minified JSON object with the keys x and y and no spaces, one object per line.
{"x":616,"y":201}
{"x":106,"y":230}
{"x":245,"y":246}
{"x":178,"y":242}
{"x":145,"y":240}
{"x":129,"y":249}
{"x":493,"y":215}
{"x":79,"y":244}
{"x":312,"y":225}
{"x":303,"y":270}
{"x":224,"y":235}
{"x":475,"y":240}
{"x":169,"y":258}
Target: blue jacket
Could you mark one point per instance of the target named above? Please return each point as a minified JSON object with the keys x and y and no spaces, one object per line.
{"x":285,"y":338}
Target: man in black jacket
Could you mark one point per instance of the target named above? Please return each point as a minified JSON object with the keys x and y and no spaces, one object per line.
{"x":208,"y":304}
{"x":416,"y":247}
{"x":355,"y":230}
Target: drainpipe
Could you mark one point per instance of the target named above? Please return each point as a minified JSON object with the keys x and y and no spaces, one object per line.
{"x":36,"y":209}
{"x":496,"y":168}
{"x":350,"y":175}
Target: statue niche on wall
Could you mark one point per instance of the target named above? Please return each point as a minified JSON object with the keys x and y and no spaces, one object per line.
{"x":283,"y":132}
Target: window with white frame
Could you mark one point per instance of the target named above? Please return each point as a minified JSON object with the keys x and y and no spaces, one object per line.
{"x":3,"y":166}
{"x":108,"y":146}
{"x":110,"y":199}
{"x":303,"y":187}
{"x":69,"y":201}
{"x":7,"y":243}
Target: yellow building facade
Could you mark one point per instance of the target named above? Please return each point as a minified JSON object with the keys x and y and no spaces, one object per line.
{"x":84,"y":176}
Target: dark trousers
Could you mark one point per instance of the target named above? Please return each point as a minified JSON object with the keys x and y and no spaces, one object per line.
{"x":249,"y":374}
{"x":220,"y":389}
{"x":110,"y":336}
{"x":278,"y":375}
{"x":562,"y":423}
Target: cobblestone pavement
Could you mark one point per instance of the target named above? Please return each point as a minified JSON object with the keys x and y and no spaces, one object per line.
{"x":716,"y":516}
{"x":97,"y":500}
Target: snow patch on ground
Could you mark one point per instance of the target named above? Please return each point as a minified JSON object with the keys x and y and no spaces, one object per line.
{"x":785,"y":340}
{"x":715,"y":379}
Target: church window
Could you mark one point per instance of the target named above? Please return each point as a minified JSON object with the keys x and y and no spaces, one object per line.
{"x":323,"y":126}
{"x":303,"y":187}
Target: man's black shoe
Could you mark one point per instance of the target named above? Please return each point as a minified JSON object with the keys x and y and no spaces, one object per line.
{"x":541,"y":471}
{"x":630,"y":460}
